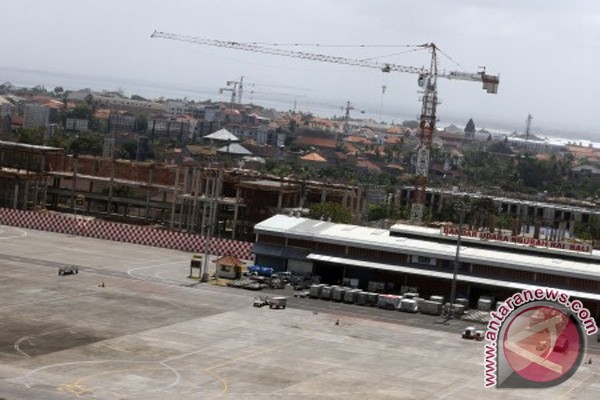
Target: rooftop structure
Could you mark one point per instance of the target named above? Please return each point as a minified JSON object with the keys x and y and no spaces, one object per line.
{"x":424,"y":257}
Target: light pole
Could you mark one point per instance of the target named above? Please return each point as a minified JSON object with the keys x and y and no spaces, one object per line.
{"x":209,"y":217}
{"x":462,"y":208}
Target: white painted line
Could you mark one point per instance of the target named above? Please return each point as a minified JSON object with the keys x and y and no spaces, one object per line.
{"x":18,"y":344}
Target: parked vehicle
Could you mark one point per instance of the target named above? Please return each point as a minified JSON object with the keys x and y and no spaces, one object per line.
{"x":260,"y":271}
{"x":260,"y":302}
{"x":277,"y":302}
{"x":68,"y":270}
{"x":285,"y":276}
{"x":473,"y":334}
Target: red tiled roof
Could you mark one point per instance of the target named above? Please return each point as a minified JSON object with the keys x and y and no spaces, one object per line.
{"x":313,"y":157}
{"x":316,"y":142}
{"x":368,"y":165}
{"x":229,"y":261}
{"x":350,"y":149}
{"x":393,"y":140}
{"x":357,"y":139}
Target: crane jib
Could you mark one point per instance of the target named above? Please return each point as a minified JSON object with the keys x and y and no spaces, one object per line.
{"x":427,"y":81}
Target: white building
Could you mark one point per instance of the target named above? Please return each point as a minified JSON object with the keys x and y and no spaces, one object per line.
{"x":35,"y":116}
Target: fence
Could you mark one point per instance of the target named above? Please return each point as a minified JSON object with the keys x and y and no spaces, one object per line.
{"x":143,"y":235}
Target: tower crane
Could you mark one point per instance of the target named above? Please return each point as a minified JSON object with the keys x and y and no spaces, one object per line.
{"x":427,"y":80}
{"x":236,"y":88}
{"x":349,"y":107}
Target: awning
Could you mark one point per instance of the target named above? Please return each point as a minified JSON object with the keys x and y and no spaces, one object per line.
{"x":442,"y":275}
{"x":273,"y":250}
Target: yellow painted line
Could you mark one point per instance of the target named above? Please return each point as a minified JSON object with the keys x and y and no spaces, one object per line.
{"x":78,"y":389}
{"x":218,"y":377}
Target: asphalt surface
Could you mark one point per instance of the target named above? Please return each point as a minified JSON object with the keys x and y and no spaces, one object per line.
{"x":132,"y":325}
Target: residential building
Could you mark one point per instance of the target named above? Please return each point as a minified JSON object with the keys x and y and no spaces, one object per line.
{"x":6,"y":107}
{"x":121,"y":123}
{"x":35,"y":116}
{"x":76,"y":125}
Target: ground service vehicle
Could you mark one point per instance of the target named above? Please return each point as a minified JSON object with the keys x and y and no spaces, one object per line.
{"x":472,"y":334}
{"x":68,"y":270}
{"x":277,"y":302}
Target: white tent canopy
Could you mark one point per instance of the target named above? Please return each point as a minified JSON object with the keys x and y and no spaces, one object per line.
{"x":234,"y":148}
{"x":222,"y":135}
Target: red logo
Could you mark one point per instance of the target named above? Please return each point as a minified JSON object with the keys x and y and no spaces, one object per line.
{"x":542,"y":344}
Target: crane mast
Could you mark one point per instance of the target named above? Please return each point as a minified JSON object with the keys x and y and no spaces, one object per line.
{"x":427,"y":82}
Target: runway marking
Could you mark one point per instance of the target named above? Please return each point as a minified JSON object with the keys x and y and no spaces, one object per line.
{"x":76,"y":386}
{"x":18,"y":344}
{"x":223,"y":381}
{"x":75,"y":389}
{"x":21,"y":233}
{"x":269,"y":350}
{"x":130,"y":272}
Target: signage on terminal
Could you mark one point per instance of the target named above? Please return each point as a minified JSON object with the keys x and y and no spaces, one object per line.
{"x":528,"y":241}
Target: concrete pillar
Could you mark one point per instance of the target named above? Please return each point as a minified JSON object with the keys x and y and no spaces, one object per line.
{"x":149,"y":192}
{"x":236,"y":209}
{"x":16,"y":195}
{"x":110,"y":186}
{"x":280,"y":200}
{"x":26,"y":195}
{"x":175,"y":193}
{"x":193,"y":199}
{"x":36,"y":194}
{"x":45,"y":192}
{"x":75,"y":161}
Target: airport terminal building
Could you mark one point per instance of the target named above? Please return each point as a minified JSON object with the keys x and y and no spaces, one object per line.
{"x":422,"y":259}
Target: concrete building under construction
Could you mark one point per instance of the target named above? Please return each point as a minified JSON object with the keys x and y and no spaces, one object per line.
{"x":215,"y":200}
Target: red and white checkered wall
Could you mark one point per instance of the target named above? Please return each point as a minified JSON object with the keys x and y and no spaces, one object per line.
{"x":143,"y":235}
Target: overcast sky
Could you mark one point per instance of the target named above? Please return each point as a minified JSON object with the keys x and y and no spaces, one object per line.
{"x":546,"y":51}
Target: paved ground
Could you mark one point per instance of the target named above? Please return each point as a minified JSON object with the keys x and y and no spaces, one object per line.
{"x":151,"y":333}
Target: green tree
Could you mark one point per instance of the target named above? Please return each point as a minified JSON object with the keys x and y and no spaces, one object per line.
{"x":91,"y":143}
{"x":127,"y":150}
{"x":333,"y":212}
{"x":141,"y":123}
{"x":31,"y":135}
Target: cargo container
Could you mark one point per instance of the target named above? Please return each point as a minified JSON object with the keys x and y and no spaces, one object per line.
{"x":362,"y":298}
{"x":430,"y":307}
{"x":337,"y":293}
{"x":439,"y":299}
{"x":326,"y":292}
{"x":315,"y":290}
{"x":408,"y":305}
{"x":372,"y":299}
{"x":484,"y":303}
{"x":351,"y":295}
{"x":388,"y":301}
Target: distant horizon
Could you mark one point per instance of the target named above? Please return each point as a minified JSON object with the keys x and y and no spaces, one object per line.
{"x":153,"y":90}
